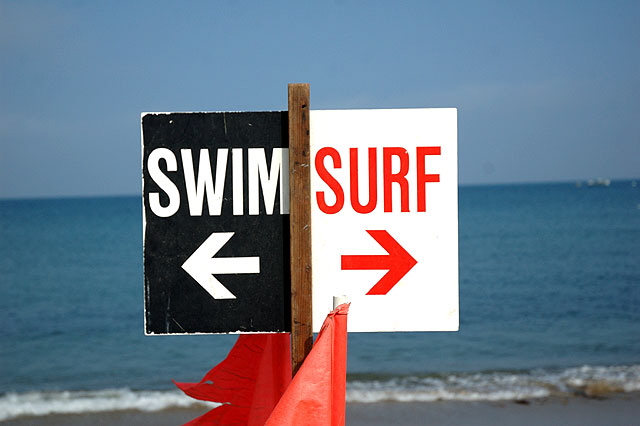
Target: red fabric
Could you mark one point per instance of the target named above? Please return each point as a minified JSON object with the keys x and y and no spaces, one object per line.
{"x":316,"y":395}
{"x":249,"y":382}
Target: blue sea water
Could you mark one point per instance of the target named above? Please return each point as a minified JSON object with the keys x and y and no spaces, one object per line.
{"x":549,"y":303}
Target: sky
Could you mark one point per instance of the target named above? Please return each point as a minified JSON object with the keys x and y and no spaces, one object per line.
{"x":545,"y":90}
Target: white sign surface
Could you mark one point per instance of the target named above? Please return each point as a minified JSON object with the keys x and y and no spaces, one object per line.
{"x":384,"y":196}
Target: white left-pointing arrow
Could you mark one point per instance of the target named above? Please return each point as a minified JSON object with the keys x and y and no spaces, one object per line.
{"x":202,"y":266}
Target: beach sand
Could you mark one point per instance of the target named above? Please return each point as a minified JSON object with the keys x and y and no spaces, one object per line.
{"x":617,"y":410}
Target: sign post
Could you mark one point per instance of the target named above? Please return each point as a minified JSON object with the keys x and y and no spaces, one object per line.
{"x":300,"y":224}
{"x":229,"y":199}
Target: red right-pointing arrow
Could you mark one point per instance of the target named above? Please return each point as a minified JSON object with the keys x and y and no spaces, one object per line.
{"x":398,"y":262}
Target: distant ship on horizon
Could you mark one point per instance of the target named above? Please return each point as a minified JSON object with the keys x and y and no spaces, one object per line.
{"x":594,"y":182}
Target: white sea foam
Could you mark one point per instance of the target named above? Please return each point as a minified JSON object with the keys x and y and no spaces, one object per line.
{"x":580,"y":381}
{"x":14,"y":405}
{"x":486,"y":386}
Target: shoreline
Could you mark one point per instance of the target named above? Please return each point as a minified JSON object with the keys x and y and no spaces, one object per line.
{"x":613,"y":410}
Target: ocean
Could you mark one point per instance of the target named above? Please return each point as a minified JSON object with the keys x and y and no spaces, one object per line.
{"x":549,"y":305}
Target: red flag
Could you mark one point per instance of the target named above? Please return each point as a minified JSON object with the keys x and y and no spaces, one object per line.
{"x":316,"y":396}
{"x":249,"y":382}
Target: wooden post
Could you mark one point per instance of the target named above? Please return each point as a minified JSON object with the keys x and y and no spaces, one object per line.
{"x":300,"y":224}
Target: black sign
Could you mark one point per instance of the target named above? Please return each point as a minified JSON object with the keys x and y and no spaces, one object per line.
{"x":216,"y":222}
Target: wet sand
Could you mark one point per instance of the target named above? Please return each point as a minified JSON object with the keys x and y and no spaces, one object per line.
{"x":617,"y":410}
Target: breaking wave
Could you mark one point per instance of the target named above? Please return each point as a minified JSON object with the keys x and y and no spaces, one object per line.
{"x":586,"y":381}
{"x":14,"y":405}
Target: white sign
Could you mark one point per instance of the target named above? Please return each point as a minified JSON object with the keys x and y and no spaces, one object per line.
{"x":384,"y":196}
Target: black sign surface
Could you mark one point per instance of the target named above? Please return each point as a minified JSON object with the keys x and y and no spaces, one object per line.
{"x":216,"y":223}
